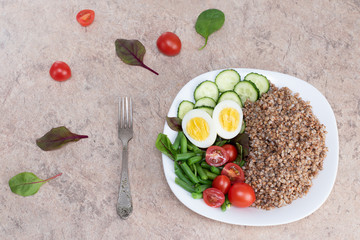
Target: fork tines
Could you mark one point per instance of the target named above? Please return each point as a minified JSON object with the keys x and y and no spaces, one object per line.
{"x":125,"y":112}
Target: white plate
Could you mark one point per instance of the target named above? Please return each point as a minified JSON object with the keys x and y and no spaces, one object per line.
{"x":298,"y":209}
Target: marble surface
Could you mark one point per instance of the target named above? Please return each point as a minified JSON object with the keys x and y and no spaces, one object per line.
{"x":317,"y":41}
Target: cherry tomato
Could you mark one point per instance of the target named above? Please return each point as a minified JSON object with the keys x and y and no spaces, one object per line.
{"x":234,"y":172}
{"x":216,"y":156}
{"x":169,"y":44}
{"x":241,"y":195}
{"x":85,"y":17}
{"x":213,"y":197}
{"x":222,"y":183}
{"x":232,"y":152}
{"x":60,"y":71}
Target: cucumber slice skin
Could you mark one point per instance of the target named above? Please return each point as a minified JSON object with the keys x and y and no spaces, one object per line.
{"x":205,"y":102}
{"x":184,"y":107}
{"x":206,"y":89}
{"x":209,"y":110}
{"x":231,"y":95}
{"x":247,"y":90}
{"x":227,"y":79}
{"x":261,"y":82}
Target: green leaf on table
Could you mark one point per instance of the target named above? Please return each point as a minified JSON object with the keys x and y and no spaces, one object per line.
{"x":27,"y":184}
{"x":208,"y":22}
{"x":174,"y":123}
{"x":131,"y":52}
{"x":56,"y":138}
{"x":164,"y":145}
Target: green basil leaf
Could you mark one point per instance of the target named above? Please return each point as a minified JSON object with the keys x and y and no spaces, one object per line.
{"x":56,"y":138}
{"x":164,"y":145}
{"x":131,"y":52}
{"x":27,"y":184}
{"x":174,"y":123}
{"x":208,"y":22}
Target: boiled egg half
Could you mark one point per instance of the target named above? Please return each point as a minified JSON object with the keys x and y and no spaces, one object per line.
{"x":227,"y":117}
{"x":199,"y":128}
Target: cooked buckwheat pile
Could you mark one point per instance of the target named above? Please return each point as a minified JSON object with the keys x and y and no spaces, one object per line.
{"x":287,"y":147}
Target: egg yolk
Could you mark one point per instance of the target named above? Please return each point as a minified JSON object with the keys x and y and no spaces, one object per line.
{"x":198,"y":129}
{"x":229,"y":119}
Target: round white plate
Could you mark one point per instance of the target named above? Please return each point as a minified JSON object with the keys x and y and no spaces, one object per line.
{"x":298,"y":209}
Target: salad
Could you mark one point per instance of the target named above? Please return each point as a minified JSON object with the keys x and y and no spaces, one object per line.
{"x":211,"y":145}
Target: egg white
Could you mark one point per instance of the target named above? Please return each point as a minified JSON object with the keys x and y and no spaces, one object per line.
{"x":219,"y":129}
{"x":212,"y":131}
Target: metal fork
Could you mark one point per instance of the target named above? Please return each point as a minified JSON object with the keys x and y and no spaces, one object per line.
{"x":124,"y":205}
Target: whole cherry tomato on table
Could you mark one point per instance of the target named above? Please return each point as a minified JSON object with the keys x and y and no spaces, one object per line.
{"x":222,"y":183}
{"x":85,"y":17}
{"x":169,"y":44}
{"x":241,"y":195}
{"x":216,"y":156}
{"x":232,"y":152}
{"x":60,"y":71}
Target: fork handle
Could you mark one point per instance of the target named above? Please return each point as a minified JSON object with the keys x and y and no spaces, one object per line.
{"x":124,"y":205}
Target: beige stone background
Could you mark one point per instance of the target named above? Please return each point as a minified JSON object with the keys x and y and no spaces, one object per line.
{"x":317,"y":41}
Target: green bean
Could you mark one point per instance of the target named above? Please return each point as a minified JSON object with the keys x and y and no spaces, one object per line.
{"x":194,"y":148}
{"x":242,"y":163}
{"x":201,"y":188}
{"x":176,"y":143}
{"x":188,"y":172}
{"x":184,"y":156}
{"x":215,"y":170}
{"x":184,"y":185}
{"x":183,"y":144}
{"x":205,"y":165}
{"x":194,"y":159}
{"x":226,"y":204}
{"x":208,"y":182}
{"x":196,"y":195}
{"x":210,"y":175}
{"x":193,"y":167}
{"x":181,"y":174}
{"x":201,"y":172}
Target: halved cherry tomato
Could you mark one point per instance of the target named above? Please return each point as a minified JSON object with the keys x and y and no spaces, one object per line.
{"x":234,"y":172}
{"x":222,"y":183}
{"x":85,"y":17}
{"x":169,"y":44}
{"x":60,"y":71}
{"x":216,"y":156}
{"x":213,"y":197}
{"x":232,"y":152}
{"x":241,"y":195}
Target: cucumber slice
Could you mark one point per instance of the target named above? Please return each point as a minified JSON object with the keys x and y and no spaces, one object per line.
{"x":205,"y":102}
{"x":184,"y":107}
{"x":209,"y":110}
{"x":243,"y":126}
{"x":261,"y":82}
{"x":230,"y":95}
{"x":206,"y":89}
{"x":227,"y":79}
{"x":247,"y":90}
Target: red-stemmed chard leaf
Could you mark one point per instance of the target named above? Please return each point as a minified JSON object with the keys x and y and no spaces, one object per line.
{"x":131,"y":52}
{"x":174,"y":123}
{"x":56,"y":138}
{"x":244,"y":140}
{"x":27,"y":184}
